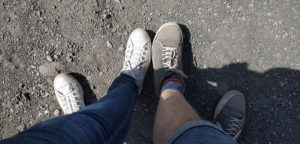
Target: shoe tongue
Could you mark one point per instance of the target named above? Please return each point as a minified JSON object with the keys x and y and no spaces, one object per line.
{"x":171,"y":44}
{"x":225,"y":115}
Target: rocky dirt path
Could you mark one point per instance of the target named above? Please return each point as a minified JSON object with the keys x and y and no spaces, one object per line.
{"x":251,"y":46}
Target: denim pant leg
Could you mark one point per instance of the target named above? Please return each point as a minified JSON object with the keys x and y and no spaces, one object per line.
{"x":106,"y":121}
{"x":200,"y":132}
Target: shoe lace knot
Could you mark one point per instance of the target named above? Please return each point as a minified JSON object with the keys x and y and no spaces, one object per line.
{"x":169,"y":57}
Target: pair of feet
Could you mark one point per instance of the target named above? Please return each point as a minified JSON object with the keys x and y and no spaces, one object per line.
{"x":165,"y":51}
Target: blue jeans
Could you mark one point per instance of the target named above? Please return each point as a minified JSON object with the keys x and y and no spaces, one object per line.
{"x":106,"y":121}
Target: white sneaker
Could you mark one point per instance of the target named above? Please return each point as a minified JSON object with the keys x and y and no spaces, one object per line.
{"x":69,"y":93}
{"x":137,"y":56}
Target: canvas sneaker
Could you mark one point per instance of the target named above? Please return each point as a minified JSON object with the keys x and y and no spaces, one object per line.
{"x":167,"y":53}
{"x":69,"y":93}
{"x":137,"y":56}
{"x":230,"y":113}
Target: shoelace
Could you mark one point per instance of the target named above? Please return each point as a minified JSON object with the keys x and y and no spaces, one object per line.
{"x":169,"y":56}
{"x":135,"y":58}
{"x":234,"y":126}
{"x":70,"y":100}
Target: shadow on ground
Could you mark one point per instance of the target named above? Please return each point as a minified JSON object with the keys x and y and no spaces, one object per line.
{"x":273,"y":110}
{"x":89,"y":95}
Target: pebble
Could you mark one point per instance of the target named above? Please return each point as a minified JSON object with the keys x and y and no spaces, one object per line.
{"x":11,"y":110}
{"x":106,"y":16}
{"x":21,"y":127}
{"x":100,"y":73}
{"x":57,"y":113}
{"x":26,"y":96}
{"x":108,"y":44}
{"x":45,"y":95}
{"x":121,"y":48}
{"x":251,"y":5}
{"x":55,"y":56}
{"x":113,"y":30}
{"x":49,"y":58}
{"x":32,"y":66}
{"x":50,"y":69}
{"x":69,"y":59}
{"x":125,"y":33}
{"x":117,"y":1}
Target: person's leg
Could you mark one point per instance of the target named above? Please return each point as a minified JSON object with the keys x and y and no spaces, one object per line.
{"x":229,"y":117}
{"x":106,"y":121}
{"x":176,"y":121}
{"x":173,"y":111}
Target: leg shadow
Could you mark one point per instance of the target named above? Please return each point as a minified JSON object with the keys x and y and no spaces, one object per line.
{"x":89,"y":95}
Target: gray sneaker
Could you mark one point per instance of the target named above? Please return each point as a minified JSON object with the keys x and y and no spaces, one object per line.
{"x":166,"y":53}
{"x":230,"y":113}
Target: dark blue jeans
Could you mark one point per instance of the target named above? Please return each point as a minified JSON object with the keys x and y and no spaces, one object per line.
{"x":107,"y":122}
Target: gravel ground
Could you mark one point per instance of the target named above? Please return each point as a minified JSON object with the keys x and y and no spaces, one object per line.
{"x":251,"y":46}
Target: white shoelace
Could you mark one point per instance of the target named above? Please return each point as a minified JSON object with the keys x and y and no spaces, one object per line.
{"x":135,"y":58}
{"x":69,"y":100}
{"x":169,"y":57}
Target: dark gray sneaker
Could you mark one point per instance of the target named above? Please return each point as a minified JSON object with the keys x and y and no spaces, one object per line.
{"x":166,"y":53}
{"x":230,"y":113}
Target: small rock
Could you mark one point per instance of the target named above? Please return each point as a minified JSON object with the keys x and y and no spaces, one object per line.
{"x":100,"y":73}
{"x":50,"y":69}
{"x":113,"y":30}
{"x":108,"y":44}
{"x":45,"y":95}
{"x":32,"y":66}
{"x":106,"y":16}
{"x":46,"y":112}
{"x":21,"y":127}
{"x":251,"y":5}
{"x":125,"y":33}
{"x":117,"y":1}
{"x":55,"y":56}
{"x":26,"y":96}
{"x":49,"y":58}
{"x":21,"y":85}
{"x":57,"y":113}
{"x":69,"y":59}
{"x":121,"y":48}
{"x":269,"y":14}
